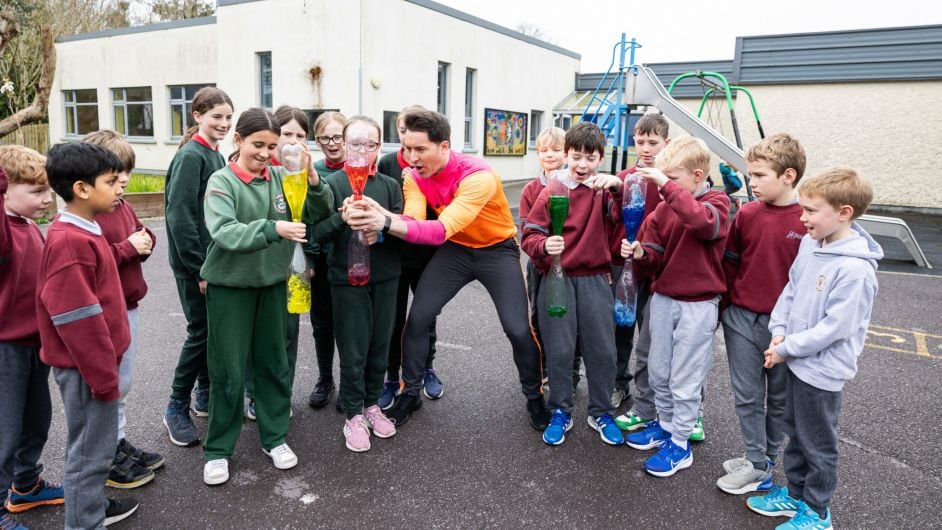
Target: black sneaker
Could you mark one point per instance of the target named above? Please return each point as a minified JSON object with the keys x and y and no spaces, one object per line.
{"x":322,"y":392}
{"x":403,"y":408}
{"x":151,"y":461}
{"x":119,"y":510}
{"x":126,"y":474}
{"x":539,"y":414}
{"x":179,"y":425}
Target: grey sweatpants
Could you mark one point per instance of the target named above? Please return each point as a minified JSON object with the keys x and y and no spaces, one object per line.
{"x":92,"y":426}
{"x":126,"y":372}
{"x":759,"y":393}
{"x":590,"y":307}
{"x":680,"y":359}
{"x":27,"y":412}
{"x":810,"y":458}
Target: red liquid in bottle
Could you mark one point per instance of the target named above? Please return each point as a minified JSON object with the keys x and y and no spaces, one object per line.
{"x":358,"y":274}
{"x":357,"y":176}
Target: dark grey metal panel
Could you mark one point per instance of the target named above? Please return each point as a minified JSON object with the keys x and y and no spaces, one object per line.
{"x":183,"y":23}
{"x":667,"y":72}
{"x":906,"y":53}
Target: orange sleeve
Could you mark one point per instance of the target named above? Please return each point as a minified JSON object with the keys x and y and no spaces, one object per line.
{"x":474,"y":192}
{"x":414,"y":201}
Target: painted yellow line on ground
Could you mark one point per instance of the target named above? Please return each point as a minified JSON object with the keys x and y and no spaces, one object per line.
{"x":907,"y":341}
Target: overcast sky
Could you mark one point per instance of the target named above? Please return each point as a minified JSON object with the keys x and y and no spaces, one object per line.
{"x":688,"y":30}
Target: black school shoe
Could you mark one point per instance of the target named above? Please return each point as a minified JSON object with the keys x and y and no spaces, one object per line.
{"x":126,"y":474}
{"x":539,"y":414}
{"x":119,"y":510}
{"x":322,"y":392}
{"x":151,"y":461}
{"x":403,"y":408}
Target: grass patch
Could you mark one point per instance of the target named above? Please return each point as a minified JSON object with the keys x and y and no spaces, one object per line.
{"x":141,"y":182}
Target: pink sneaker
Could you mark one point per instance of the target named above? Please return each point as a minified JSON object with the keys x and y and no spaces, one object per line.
{"x":376,"y":420}
{"x":356,"y":434}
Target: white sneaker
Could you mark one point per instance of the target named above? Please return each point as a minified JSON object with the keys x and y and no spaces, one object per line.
{"x":745,"y":479}
{"x":282,"y":456}
{"x":735,"y":463}
{"x":618,"y":396}
{"x":216,"y":472}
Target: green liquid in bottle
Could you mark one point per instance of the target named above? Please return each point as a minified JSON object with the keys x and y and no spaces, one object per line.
{"x":558,"y":208}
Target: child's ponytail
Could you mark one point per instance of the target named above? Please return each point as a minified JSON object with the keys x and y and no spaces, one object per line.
{"x":203,"y":101}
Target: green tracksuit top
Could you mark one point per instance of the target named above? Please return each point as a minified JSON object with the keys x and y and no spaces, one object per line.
{"x":245,"y":250}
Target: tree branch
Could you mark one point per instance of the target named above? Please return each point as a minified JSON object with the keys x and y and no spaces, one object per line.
{"x":36,"y":111}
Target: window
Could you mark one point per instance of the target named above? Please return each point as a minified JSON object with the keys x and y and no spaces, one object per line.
{"x":564,"y":121}
{"x":264,"y":79}
{"x":536,"y":125}
{"x":181,"y":108}
{"x":81,"y":111}
{"x":133,"y":112}
{"x":390,"y":128}
{"x":469,"y":80}
{"x":442,"y":106}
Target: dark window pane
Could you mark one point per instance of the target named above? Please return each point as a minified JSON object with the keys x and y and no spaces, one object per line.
{"x":87,"y":118}
{"x":68,"y":96}
{"x":119,"y":119}
{"x":264,"y":60}
{"x":138,"y":94}
{"x":191,"y":90}
{"x":140,"y":120}
{"x":176,"y":92}
{"x":390,"y":131}
{"x":86,"y":96}
{"x":70,"y":120}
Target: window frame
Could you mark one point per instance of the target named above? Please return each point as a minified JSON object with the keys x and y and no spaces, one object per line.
{"x":184,"y":105}
{"x":260,"y":60}
{"x":442,"y":82}
{"x":125,"y":104}
{"x":536,"y":125}
{"x":71,"y":108}
{"x":470,"y":86}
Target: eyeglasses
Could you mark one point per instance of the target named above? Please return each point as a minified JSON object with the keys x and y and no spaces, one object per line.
{"x":369,"y":146}
{"x":326,"y":140}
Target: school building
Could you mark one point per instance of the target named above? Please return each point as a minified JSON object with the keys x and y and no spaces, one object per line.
{"x":871,"y":99}
{"x":372,"y":57}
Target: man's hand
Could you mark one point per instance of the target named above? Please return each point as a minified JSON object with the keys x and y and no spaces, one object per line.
{"x":141,"y":241}
{"x":554,"y":245}
{"x":653,"y":174}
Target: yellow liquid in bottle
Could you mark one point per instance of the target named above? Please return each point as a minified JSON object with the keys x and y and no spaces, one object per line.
{"x":299,"y":295}
{"x":295,"y":187}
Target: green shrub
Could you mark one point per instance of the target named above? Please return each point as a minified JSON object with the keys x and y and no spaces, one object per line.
{"x":141,"y":182}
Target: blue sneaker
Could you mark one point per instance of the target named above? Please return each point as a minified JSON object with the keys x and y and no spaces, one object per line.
{"x":670,"y":459}
{"x":608,"y":431}
{"x":807,"y":519}
{"x":41,"y":494}
{"x":651,"y":437}
{"x":179,"y":425}
{"x":200,"y":406}
{"x":560,"y":423}
{"x":8,"y":522}
{"x":250,"y":410}
{"x":776,"y":504}
{"x":432,"y":385}
{"x":390,"y":390}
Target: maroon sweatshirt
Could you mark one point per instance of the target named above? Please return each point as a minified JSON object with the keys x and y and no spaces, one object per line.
{"x":528,"y":196}
{"x":116,"y":226}
{"x":21,"y":247}
{"x":83,"y":321}
{"x":585,"y":232}
{"x":651,"y":199}
{"x":763,"y":242}
{"x":684,"y":242}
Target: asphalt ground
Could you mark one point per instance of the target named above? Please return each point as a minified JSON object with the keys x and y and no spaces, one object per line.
{"x":471,"y":460}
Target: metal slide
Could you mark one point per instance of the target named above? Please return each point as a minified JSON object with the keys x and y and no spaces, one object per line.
{"x":645,"y":89}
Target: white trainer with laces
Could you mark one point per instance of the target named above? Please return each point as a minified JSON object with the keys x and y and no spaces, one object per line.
{"x":282,"y":456}
{"x":216,"y":472}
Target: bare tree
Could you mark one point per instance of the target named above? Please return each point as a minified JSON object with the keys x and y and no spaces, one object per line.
{"x":532,"y":30}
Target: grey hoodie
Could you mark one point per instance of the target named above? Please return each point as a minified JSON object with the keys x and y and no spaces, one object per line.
{"x":825,"y":309}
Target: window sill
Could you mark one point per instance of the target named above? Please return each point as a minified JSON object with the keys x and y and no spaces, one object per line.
{"x":469,"y":150}
{"x":140,"y":140}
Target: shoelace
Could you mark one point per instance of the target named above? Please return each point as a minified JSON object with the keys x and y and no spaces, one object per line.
{"x":7,"y":522}
{"x":805,"y":516}
{"x":777,"y":493}
{"x":216,"y":465}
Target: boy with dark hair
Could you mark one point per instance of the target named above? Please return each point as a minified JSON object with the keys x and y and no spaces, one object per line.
{"x":763,"y":242}
{"x":592,"y":214}
{"x":818,"y":329}
{"x":131,"y":244}
{"x":24,"y":380}
{"x":682,"y":247}
{"x":83,"y":326}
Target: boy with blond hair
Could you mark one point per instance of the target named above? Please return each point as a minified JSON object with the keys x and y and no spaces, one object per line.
{"x":818,"y":329}
{"x":682,"y":247}
{"x":131,"y":243}
{"x":763,"y":242}
{"x":24,"y":379}
{"x":587,"y":263}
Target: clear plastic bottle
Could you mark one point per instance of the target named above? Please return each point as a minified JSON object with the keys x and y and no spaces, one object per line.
{"x":632,"y":214}
{"x":358,"y":249}
{"x":558,"y":205}
{"x":294,"y":185}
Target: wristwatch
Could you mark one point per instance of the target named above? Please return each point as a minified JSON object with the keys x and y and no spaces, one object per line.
{"x":386,"y":224}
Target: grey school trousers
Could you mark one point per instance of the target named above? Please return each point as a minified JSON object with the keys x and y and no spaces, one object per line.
{"x":92,"y":427}
{"x":811,"y":454}
{"x":126,"y":372}
{"x":759,"y":393}
{"x":680,"y":359}
{"x":27,"y":412}
{"x":590,"y":307}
